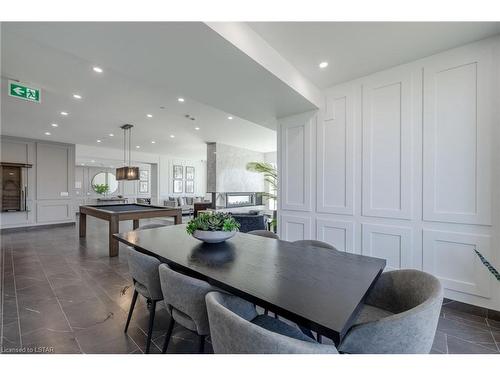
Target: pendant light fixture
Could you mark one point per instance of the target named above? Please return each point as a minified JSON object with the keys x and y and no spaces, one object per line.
{"x":127,"y":172}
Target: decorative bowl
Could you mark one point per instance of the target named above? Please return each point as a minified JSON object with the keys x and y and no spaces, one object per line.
{"x":213,"y":236}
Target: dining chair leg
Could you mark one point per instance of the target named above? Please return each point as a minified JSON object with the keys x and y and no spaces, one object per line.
{"x":152,"y":310}
{"x":167,"y":336}
{"x":132,"y":305}
{"x":201,"y":348}
{"x":307,"y":332}
{"x":266,"y":311}
{"x":319,"y":338}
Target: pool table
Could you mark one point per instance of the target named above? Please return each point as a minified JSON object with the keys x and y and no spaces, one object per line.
{"x":114,"y":213}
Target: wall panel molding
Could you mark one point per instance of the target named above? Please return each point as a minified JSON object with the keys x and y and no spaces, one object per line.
{"x":335,"y":154}
{"x":338,"y":233}
{"x":54,"y":211}
{"x":457,"y":122}
{"x":54,"y":168}
{"x":387,"y":100}
{"x":450,"y":257}
{"x":294,"y":227}
{"x":393,"y":243}
{"x":296,"y":161}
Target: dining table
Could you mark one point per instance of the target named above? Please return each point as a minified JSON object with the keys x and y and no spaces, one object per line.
{"x":319,"y":289}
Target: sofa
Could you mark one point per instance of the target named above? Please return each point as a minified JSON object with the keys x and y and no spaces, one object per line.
{"x":249,"y":222}
{"x":186,"y":204}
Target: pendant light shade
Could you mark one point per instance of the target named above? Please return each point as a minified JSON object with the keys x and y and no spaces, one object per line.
{"x":127,"y":172}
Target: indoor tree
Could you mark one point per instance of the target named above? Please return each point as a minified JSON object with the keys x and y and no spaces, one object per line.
{"x":271,"y":177}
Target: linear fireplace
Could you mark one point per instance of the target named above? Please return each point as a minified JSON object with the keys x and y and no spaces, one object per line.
{"x":231,"y":200}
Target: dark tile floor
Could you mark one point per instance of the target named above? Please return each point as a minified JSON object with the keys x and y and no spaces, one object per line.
{"x":65,"y":295}
{"x":60,"y":294}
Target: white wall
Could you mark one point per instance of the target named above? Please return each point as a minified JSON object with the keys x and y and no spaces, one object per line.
{"x":167,"y":179}
{"x":50,"y":182}
{"x":399,"y":165}
{"x":86,"y":195}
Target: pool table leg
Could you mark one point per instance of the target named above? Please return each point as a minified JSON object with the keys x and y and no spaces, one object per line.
{"x":178,"y":219}
{"x":136,"y":224}
{"x":83,"y":225}
{"x":113,"y":243}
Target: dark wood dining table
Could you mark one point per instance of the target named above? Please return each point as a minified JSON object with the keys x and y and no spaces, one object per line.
{"x":320,"y":289}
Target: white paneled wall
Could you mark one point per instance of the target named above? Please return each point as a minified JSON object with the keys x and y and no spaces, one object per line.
{"x":398,"y":165}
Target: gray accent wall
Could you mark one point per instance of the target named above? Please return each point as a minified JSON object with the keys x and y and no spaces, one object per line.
{"x":50,"y":198}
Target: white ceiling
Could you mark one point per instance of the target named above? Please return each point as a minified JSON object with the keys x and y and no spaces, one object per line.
{"x":146,"y":66}
{"x":355,"y":49}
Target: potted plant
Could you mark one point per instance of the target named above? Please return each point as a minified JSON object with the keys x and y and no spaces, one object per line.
{"x":213,"y":227}
{"x":271,"y":177}
{"x":101,"y":188}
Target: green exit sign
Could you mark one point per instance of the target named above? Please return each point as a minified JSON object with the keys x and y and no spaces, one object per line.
{"x":18,"y":90}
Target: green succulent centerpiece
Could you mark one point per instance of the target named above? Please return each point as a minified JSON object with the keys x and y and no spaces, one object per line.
{"x":212,"y":227}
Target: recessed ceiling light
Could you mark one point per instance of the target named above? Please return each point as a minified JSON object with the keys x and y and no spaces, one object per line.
{"x":172,"y":136}
{"x":97,"y":69}
{"x":92,"y":161}
{"x":323,"y":64}
{"x":111,"y":135}
{"x":180,"y":100}
{"x":229,"y":117}
{"x":83,"y":164}
{"x":54,"y":125}
{"x":99,"y":141}
{"x":149,"y":115}
{"x":153,"y":142}
{"x":137,"y":146}
{"x":64,"y":113}
{"x":197,"y":128}
{"x":77,"y":96}
{"x":47,"y":133}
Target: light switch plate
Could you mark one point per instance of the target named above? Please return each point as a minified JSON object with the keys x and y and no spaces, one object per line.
{"x":64,"y":193}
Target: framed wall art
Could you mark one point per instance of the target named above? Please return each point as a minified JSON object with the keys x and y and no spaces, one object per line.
{"x":178,"y":172}
{"x":189,"y":186}
{"x":177,"y":186}
{"x":189,"y":173}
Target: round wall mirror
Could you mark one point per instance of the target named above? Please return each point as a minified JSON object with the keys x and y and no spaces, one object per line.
{"x":104,"y":183}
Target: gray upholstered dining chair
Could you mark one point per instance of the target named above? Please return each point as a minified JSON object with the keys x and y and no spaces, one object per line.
{"x":400,"y":315}
{"x":144,"y":271}
{"x":264,"y":233}
{"x":236,"y":328}
{"x":315,"y":243}
{"x":185,"y":301}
